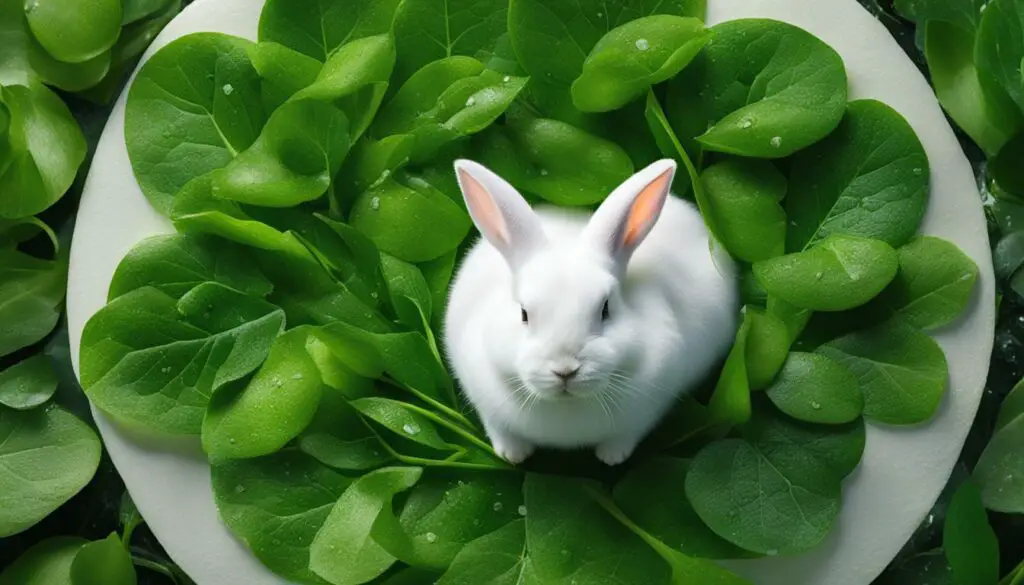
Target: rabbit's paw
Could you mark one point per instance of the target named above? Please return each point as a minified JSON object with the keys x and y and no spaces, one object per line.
{"x":511,"y":449}
{"x":615,"y":451}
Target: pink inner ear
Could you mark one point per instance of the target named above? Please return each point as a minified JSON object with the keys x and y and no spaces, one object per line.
{"x":485,"y":211}
{"x":645,"y":210}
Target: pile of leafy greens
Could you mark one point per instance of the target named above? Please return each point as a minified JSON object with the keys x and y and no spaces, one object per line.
{"x":47,"y":454}
{"x":291,"y":322}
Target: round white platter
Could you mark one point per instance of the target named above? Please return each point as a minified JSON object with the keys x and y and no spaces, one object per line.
{"x":903,"y":469}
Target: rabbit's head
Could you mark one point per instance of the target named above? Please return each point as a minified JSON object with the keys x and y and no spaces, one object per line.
{"x":574,"y":332}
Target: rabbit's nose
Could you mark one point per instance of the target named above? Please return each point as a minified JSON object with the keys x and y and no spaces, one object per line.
{"x":566,"y":374}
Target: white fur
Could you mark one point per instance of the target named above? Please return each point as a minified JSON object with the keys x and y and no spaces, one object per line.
{"x":673,"y":313}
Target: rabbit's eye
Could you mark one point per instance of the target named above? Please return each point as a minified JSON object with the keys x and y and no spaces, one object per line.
{"x":526,"y":318}
{"x":604,"y":311}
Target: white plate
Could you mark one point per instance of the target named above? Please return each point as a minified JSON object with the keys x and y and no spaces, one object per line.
{"x":901,"y":474}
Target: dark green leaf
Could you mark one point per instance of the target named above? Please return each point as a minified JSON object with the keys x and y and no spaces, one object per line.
{"x":31,"y":292}
{"x":813,"y":388}
{"x":1000,"y":471}
{"x":498,"y":558}
{"x":743,"y":195}
{"x":318,"y":27}
{"x":1000,"y":44}
{"x":969,"y":541}
{"x":401,"y":419}
{"x":28,"y":384}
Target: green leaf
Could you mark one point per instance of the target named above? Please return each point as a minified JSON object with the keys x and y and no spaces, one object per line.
{"x":1000,"y":44}
{"x":498,"y":558}
{"x":838,"y":447}
{"x":730,"y":402}
{"x":969,"y":541}
{"x":410,"y":219}
{"x":276,"y":505}
{"x":263,"y":414}
{"x":31,"y":292}
{"x":46,"y":563}
{"x":134,"y":10}
{"x":46,"y":457}
{"x":868,"y":178}
{"x":68,"y":76}
{"x":299,"y":150}
{"x":444,"y":512}
{"x":15,"y":39}
{"x":963,"y":13}
{"x":632,"y":57}
{"x":813,"y":388}
{"x":794,"y":317}
{"x":902,"y":372}
{"x":771,"y":89}
{"x":438,"y":274}
{"x":410,"y":294}
{"x":1005,"y":171}
{"x":192,"y":107}
{"x":343,"y":551}
{"x":401,"y":419}
{"x":983,"y":110}
{"x":154,"y":361}
{"x":28,"y":384}
{"x":103,"y":562}
{"x":1000,"y":470}
{"x":177,"y":263}
{"x":840,"y":273}
{"x":76,"y":32}
{"x":373,"y":161}
{"x":571,"y":537}
{"x":933,"y":286}
{"x":318,"y":27}
{"x":763,"y":494}
{"x":354,"y":78}
{"x":743,"y":197}
{"x":767,"y":345}
{"x":672,"y":520}
{"x":428,"y":30}
{"x":566,"y":165}
{"x":446,"y":100}
{"x":337,"y":437}
{"x":44,"y":152}
{"x":283,"y":72}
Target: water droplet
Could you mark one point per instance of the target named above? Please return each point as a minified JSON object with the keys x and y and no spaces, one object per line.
{"x":746,"y":122}
{"x":470,"y":102}
{"x":819,"y":275}
{"x":232,"y":440}
{"x":642,"y":44}
{"x":375,"y":203}
{"x":792,"y":223}
{"x":776,"y":141}
{"x":507,"y":78}
{"x":228,"y":89}
{"x":918,"y":171}
{"x":297,"y":377}
{"x":277,"y":382}
{"x":166,"y":370}
{"x":374,"y":294}
{"x":498,"y":506}
{"x":543,"y":172}
{"x":600,"y":14}
{"x":816,"y":405}
{"x":771,"y":553}
{"x":931,"y":519}
{"x":431,"y":537}
{"x":31,"y":7}
{"x":522,"y":510}
{"x":239,"y":489}
{"x":410,"y":429}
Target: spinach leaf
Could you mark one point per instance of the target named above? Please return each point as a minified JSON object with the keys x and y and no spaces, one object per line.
{"x":103,"y":562}
{"x":794,"y":317}
{"x":1000,"y":44}
{"x":976,"y":103}
{"x":67,"y":76}
{"x":410,"y":295}
{"x":192,"y":108}
{"x":319,"y":27}
{"x":46,"y":563}
{"x":968,"y":540}
{"x":77,"y":32}
{"x":813,"y":388}
{"x":743,"y":197}
{"x":446,"y":100}
{"x":933,"y":286}
{"x":28,"y":384}
{"x":771,"y":89}
{"x":498,"y":558}
{"x":283,"y":72}
{"x":673,"y":520}
{"x":299,"y":150}
{"x":963,"y":13}
{"x":769,"y":497}
{"x":354,"y":78}
{"x":276,"y":505}
{"x":177,"y":263}
{"x":570,"y":536}
{"x":1000,"y":470}
{"x":730,"y":402}
{"x":47,"y":456}
{"x":263,"y":414}
{"x":373,"y":161}
{"x":632,"y":57}
{"x":444,"y":512}
{"x":41,"y":153}
{"x":149,"y":359}
{"x":767,"y":344}
{"x":402,"y":419}
{"x":428,"y":30}
{"x":552,"y":40}
{"x":1004,"y":170}
{"x":438,"y":274}
{"x":902,"y":372}
{"x":343,"y":550}
{"x":135,"y":10}
{"x":410,"y":219}
{"x":868,"y":178}
{"x":839,"y":273}
{"x":337,"y":437}
{"x":31,"y":292}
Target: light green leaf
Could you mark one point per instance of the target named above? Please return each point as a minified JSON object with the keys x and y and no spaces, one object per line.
{"x":31,"y":293}
{"x":1000,"y":470}
{"x":46,"y":563}
{"x":74,"y":32}
{"x":969,"y":541}
{"x":401,"y":419}
{"x":103,"y":562}
{"x":28,"y":383}
{"x":318,"y":27}
{"x":813,"y":388}
{"x":743,"y":195}
{"x":498,"y":558}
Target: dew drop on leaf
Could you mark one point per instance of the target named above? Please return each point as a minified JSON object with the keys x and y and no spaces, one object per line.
{"x":543,"y":172}
{"x":228,"y":89}
{"x":239,"y":489}
{"x":375,"y":203}
{"x":918,"y":171}
{"x":746,"y":123}
{"x":507,"y":78}
{"x":410,"y":429}
{"x":819,"y":275}
{"x":431,"y":537}
{"x":776,"y":141}
{"x":642,"y":44}
{"x":522,"y":510}
{"x":297,"y":377}
{"x":498,"y":506}
{"x":816,"y":405}
{"x":470,"y":102}
{"x":31,"y":7}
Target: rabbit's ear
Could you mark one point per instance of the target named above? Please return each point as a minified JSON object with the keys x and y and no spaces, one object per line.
{"x":500,"y":212}
{"x":628,"y":214}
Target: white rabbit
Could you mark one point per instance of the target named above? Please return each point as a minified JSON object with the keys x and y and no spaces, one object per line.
{"x":564,"y":331}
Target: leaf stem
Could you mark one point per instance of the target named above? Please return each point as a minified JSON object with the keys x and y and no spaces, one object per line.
{"x":411,"y":460}
{"x":454,"y":428}
{"x":432,"y":402}
{"x":155,"y":567}
{"x":1014,"y":577}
